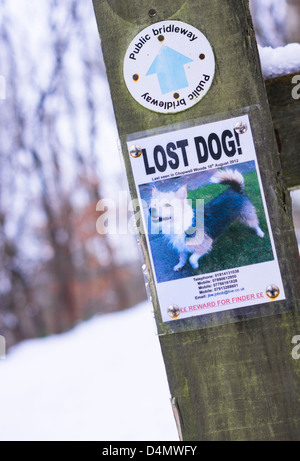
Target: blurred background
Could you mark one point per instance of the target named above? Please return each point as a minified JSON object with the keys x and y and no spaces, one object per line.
{"x":105,"y":379}
{"x":59,"y":156}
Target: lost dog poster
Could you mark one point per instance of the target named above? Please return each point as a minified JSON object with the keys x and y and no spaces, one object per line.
{"x":206,"y":219}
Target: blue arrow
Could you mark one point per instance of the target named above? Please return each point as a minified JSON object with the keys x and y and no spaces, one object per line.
{"x":169,"y":67}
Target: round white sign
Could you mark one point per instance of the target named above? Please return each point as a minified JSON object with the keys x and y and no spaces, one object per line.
{"x":169,"y":67}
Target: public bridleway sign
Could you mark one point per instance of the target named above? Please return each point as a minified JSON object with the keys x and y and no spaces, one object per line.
{"x":169,"y":67}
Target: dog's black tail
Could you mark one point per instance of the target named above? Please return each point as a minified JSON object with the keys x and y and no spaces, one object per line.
{"x":232,"y":178}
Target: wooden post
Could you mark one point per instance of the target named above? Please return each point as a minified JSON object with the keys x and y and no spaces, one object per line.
{"x":285,"y":112}
{"x":234,"y":378}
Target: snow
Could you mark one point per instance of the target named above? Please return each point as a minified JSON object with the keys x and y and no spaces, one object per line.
{"x":280,"y":61}
{"x":103,"y":381}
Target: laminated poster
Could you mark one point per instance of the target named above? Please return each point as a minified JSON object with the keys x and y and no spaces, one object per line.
{"x":206,"y":219}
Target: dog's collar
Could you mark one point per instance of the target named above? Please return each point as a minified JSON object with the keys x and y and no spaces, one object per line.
{"x":192,"y":231}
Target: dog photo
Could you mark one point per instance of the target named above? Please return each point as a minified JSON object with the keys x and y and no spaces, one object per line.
{"x":206,"y":222}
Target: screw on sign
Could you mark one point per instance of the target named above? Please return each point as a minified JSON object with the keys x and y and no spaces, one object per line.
{"x":136,"y":151}
{"x":241,"y":128}
{"x":273,"y":292}
{"x":174,"y":312}
{"x":152,"y":13}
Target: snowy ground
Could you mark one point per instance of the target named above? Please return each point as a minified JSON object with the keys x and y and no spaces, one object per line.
{"x":103,"y":381}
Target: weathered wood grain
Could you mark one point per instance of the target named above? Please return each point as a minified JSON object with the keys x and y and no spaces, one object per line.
{"x":232,"y":381}
{"x":285,"y":112}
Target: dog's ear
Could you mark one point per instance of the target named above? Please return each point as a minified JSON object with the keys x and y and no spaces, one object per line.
{"x":182,"y":194}
{"x":155,"y":192}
